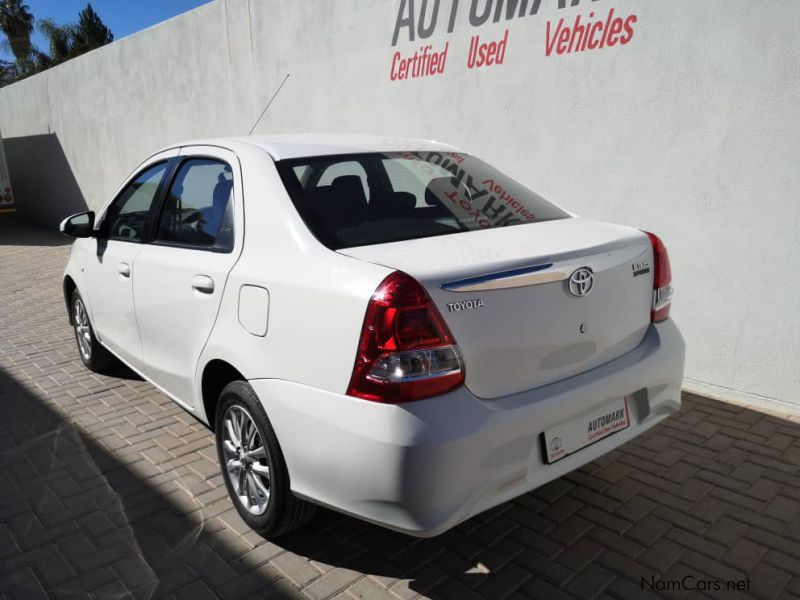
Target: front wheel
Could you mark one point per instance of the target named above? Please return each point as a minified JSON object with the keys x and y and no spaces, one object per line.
{"x":253,"y":466}
{"x":92,"y":353}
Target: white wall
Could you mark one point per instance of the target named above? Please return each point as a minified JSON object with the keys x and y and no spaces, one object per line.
{"x":691,"y":130}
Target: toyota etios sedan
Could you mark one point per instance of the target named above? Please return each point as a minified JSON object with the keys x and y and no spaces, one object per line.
{"x":389,"y":328}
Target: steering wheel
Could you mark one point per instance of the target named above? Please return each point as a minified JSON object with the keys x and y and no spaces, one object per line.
{"x":127,"y":231}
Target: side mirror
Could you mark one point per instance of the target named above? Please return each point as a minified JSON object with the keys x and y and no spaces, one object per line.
{"x":78,"y":226}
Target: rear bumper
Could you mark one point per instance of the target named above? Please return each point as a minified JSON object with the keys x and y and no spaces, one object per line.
{"x":424,"y":467}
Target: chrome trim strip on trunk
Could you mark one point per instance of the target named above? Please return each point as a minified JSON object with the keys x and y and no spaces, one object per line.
{"x":538,"y":274}
{"x":502,"y":279}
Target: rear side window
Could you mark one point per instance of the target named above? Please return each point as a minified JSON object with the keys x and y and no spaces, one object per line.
{"x":385,"y":197}
{"x":127,"y":218}
{"x":197,"y":208}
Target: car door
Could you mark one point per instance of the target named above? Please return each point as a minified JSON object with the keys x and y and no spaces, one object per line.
{"x":109,"y":262}
{"x":181,"y":273}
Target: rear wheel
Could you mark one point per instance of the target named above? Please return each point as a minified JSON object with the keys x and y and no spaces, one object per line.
{"x":92,"y":353}
{"x":253,"y":466}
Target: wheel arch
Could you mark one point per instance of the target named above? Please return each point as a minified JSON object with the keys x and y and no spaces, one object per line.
{"x":69,"y":287}
{"x":216,"y":375}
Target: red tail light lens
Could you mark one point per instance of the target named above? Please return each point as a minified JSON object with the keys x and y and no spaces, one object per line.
{"x":406,"y":351}
{"x":662,"y":280}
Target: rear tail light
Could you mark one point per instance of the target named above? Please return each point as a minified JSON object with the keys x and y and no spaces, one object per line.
{"x":406,"y":351}
{"x":662,"y":280}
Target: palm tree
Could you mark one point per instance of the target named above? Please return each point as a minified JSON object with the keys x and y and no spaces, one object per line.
{"x":64,"y":41}
{"x":60,"y":40}
{"x":16,"y":21}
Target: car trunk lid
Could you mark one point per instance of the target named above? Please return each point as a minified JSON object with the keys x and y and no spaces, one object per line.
{"x":532,"y":304}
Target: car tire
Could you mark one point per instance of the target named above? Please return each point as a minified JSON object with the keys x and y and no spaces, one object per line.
{"x":253,"y":463}
{"x":93,"y":355}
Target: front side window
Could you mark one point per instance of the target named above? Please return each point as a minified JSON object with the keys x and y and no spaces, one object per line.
{"x":197,"y":208}
{"x":410,"y":195}
{"x":127,"y":218}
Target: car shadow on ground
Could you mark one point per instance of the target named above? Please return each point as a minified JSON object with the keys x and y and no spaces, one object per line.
{"x":465,"y":562}
{"x":117,"y":370}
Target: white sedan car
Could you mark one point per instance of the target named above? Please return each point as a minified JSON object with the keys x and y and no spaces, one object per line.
{"x":389,"y":328}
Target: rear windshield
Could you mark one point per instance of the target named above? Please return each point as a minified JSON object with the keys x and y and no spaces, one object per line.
{"x":363,"y":199}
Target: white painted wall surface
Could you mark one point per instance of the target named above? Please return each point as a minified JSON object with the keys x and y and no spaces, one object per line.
{"x":692,"y":130}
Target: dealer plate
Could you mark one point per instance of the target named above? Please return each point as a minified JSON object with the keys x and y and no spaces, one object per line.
{"x":569,"y":437}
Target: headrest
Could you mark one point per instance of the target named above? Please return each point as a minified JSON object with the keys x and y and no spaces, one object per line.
{"x":341,"y":203}
{"x":350,"y":190}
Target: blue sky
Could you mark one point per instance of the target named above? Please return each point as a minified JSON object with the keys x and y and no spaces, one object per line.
{"x":123,"y":17}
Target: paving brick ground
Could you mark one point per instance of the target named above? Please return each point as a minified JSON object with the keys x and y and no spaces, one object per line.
{"x":110,"y":490}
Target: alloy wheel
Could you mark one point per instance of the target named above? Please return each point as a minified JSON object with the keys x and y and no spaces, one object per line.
{"x":83,"y":330}
{"x":246,"y":463}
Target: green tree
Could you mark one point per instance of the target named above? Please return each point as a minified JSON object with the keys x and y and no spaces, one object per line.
{"x":60,"y":40}
{"x":64,"y":41}
{"x":8,"y":72}
{"x":16,"y":21}
{"x":90,"y":32}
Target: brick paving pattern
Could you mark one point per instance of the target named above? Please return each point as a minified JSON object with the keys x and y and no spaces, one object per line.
{"x":110,"y":490}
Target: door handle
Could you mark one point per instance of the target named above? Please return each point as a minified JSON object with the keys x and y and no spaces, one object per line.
{"x":124,"y":269}
{"x":203,"y":284}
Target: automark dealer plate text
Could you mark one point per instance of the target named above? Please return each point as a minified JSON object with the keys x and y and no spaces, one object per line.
{"x":569,"y":437}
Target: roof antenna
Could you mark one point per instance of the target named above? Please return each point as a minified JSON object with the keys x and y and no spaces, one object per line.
{"x":263,"y":112}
